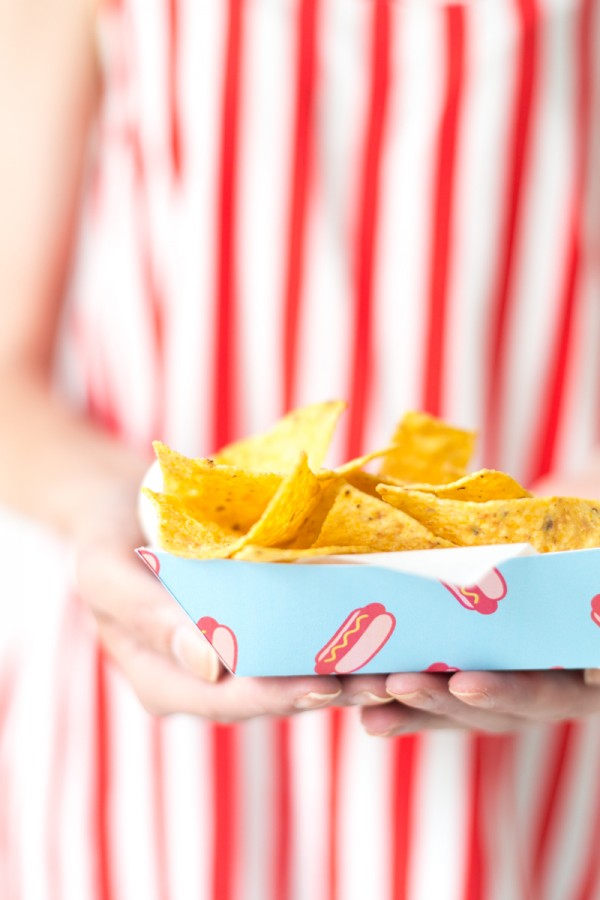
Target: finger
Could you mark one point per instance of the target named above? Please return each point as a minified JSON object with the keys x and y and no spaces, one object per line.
{"x":163,"y":688}
{"x":540,"y":696}
{"x":363,"y":690}
{"x":395,"y":719}
{"x":592,"y":677}
{"x":118,"y":588}
{"x":429,"y":693}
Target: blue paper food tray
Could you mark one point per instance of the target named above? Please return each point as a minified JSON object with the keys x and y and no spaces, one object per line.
{"x":526,"y":612}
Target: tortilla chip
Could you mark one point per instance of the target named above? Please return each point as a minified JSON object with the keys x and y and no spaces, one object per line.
{"x":355,"y":465}
{"x":487,"y":484}
{"x":356,"y":519}
{"x":428,"y":450}
{"x":548,"y":524}
{"x":307,"y":430}
{"x":368,"y":483}
{"x":293,"y":502}
{"x":231,"y":497}
{"x":313,"y":523}
{"x":183,"y":535}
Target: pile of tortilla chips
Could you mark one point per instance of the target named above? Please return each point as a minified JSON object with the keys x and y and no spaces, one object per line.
{"x":267,"y":498}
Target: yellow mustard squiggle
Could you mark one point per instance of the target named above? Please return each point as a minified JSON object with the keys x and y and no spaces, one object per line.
{"x":472,"y":594}
{"x":345,"y":639}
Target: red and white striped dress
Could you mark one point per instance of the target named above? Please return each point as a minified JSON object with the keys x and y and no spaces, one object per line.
{"x":396,"y":203}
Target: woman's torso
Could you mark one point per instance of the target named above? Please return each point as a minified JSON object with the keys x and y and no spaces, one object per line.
{"x":393,"y":203}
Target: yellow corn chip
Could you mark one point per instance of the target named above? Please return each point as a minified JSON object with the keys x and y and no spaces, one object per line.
{"x":357,"y":519}
{"x":549,"y":524}
{"x":368,"y":483}
{"x":307,"y":430}
{"x":428,"y":450}
{"x":294,"y":500}
{"x":311,"y":526}
{"x":274,"y":554}
{"x":231,"y":497}
{"x":487,"y":484}
{"x":183,"y":535}
{"x":355,"y":465}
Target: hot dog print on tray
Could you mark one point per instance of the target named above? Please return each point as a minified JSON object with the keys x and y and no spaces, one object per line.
{"x":483,"y":597}
{"x":222,"y":639}
{"x":360,"y":637}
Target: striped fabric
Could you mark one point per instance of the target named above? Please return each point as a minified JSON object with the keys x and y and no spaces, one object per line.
{"x":396,"y":203}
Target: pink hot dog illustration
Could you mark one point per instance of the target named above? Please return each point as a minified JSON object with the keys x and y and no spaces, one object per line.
{"x":150,"y":559}
{"x":596,"y":609}
{"x":356,"y":641}
{"x":222,"y":639}
{"x":482,"y":597}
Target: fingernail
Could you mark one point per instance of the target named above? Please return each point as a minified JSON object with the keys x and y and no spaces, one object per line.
{"x":475,"y":698}
{"x":368,"y":698}
{"x":422,"y":699}
{"x":592,"y":677}
{"x":195,"y":654}
{"x":314,"y":700}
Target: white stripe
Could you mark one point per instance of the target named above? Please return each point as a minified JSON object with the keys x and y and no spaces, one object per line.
{"x":254,"y":868}
{"x":190,"y":250}
{"x":35,"y":570}
{"x":364,"y":837}
{"x":440,"y":818}
{"x":310,"y":786}
{"x":148,"y":49}
{"x":507,"y":858}
{"x":579,"y":425}
{"x":480,"y":195}
{"x":188,"y":806}
{"x":401,"y":279}
{"x":325,"y":334}
{"x":540,"y":252}
{"x":77,"y":850}
{"x":530,"y":785}
{"x":131,"y":807}
{"x":267,"y":107}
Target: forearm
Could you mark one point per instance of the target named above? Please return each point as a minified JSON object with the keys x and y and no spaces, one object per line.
{"x":59,"y":468}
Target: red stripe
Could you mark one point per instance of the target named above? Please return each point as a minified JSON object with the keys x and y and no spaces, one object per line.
{"x":225,"y":803}
{"x":301,"y":171}
{"x":332,"y":808}
{"x":491,"y":767}
{"x":559,"y":754}
{"x":518,"y":155}
{"x":474,"y":886}
{"x":225,"y":739}
{"x":443,"y":208}
{"x":101,"y":805}
{"x":224,"y":417}
{"x":404,"y":764}
{"x":368,"y":226}
{"x":282,"y":812}
{"x":174,"y":120}
{"x":564,"y":346}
